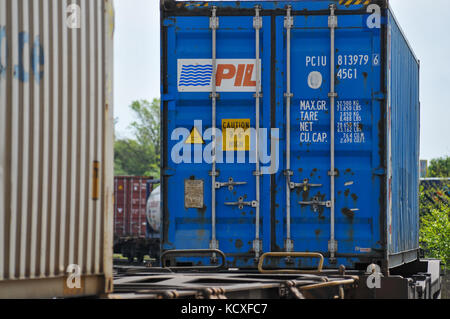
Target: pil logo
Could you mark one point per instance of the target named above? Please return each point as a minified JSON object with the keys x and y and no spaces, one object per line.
{"x":242,"y":75}
{"x":232,"y":75}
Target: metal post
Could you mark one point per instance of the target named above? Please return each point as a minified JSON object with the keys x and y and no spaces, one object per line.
{"x":257,"y":25}
{"x":213,"y":24}
{"x":288,"y":24}
{"x":332,"y":24}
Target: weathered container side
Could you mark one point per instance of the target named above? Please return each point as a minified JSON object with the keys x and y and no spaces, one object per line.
{"x":404,"y":140}
{"x":338,"y":83}
{"x":56,"y":139}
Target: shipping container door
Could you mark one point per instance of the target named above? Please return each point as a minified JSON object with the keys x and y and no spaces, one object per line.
{"x":120,"y":206}
{"x":138,"y":191}
{"x":358,"y":127}
{"x":188,"y":210}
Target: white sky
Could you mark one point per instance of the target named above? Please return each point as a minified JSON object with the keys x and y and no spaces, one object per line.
{"x":426,"y":27}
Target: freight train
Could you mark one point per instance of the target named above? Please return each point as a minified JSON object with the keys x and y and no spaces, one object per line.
{"x":135,"y":235}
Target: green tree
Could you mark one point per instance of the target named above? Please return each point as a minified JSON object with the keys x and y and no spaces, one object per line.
{"x":439,"y":167}
{"x":435,"y":234}
{"x":147,"y":128}
{"x":140,"y":156}
{"x":135,"y":159}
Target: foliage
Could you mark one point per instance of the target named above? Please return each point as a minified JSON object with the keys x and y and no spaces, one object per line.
{"x":435,"y":234}
{"x":147,"y":127}
{"x":140,"y":156}
{"x":435,"y":219}
{"x":439,"y":167}
{"x":433,"y":194}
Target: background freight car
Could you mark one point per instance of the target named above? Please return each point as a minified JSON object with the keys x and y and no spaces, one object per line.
{"x":56,"y":148}
{"x":347,"y":109}
{"x":133,"y":238}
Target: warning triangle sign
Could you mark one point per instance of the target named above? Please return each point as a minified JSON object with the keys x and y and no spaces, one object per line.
{"x":194,"y":137}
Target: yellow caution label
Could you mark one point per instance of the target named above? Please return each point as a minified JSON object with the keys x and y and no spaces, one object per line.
{"x":195,"y":137}
{"x":236,"y":134}
{"x":354,"y":2}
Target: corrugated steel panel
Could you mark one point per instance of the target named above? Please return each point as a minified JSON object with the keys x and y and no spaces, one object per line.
{"x":360,"y":127}
{"x":405,"y":125}
{"x":56,"y":143}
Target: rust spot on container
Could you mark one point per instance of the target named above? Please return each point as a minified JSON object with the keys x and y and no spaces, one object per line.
{"x":355,"y":197}
{"x":317,"y":232}
{"x":360,"y":126}
{"x":202,"y":210}
{"x":200,"y":232}
{"x":239,"y":244}
{"x":348,"y":213}
{"x":347,"y":192}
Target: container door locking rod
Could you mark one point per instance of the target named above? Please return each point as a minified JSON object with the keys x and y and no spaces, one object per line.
{"x":332,"y":25}
{"x":257,"y":25}
{"x":288,"y":24}
{"x":214,"y":25}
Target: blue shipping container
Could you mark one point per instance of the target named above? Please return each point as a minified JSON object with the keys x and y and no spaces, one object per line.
{"x":289,"y":126}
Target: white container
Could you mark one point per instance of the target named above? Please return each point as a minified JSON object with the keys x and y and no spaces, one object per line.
{"x":56,"y":147}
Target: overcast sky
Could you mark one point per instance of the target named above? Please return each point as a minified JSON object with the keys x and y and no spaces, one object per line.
{"x":426,"y":26}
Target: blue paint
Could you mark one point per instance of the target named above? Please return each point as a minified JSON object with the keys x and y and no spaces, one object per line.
{"x":19,"y":69}
{"x":37,"y":56}
{"x":361,"y":129}
{"x":37,"y":59}
{"x":3,"y":48}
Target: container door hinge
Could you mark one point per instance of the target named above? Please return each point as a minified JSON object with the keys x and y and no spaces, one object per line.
{"x":168,"y":171}
{"x":379,"y":172}
{"x":168,"y":97}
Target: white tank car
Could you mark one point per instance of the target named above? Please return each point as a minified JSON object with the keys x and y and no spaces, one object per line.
{"x":154,"y":210}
